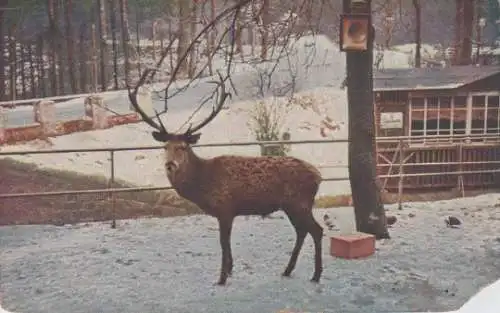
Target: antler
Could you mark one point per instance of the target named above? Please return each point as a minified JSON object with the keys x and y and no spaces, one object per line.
{"x":217,"y":108}
{"x":162,"y":133}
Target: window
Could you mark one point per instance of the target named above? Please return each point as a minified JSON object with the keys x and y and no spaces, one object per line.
{"x":448,"y":115}
{"x":443,"y":115}
{"x":493,"y":115}
{"x":459,"y":115}
{"x":485,"y":116}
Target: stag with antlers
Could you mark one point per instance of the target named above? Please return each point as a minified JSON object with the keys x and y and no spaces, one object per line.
{"x":229,"y":186}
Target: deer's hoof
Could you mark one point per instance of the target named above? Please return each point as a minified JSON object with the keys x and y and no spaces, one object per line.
{"x":221,"y":282}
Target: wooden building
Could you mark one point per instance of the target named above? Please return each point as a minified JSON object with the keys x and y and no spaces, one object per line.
{"x":438,"y":120}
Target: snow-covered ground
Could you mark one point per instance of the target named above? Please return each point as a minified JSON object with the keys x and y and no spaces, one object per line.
{"x":169,"y":265}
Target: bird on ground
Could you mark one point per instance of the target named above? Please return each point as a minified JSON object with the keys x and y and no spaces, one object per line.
{"x":391,"y":219}
{"x":452,"y":221}
{"x":328,"y":222}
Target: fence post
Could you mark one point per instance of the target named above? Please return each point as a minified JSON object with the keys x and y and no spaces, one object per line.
{"x":3,"y":125}
{"x":44,"y":112}
{"x":95,"y":109}
{"x":401,"y":175}
{"x":111,"y":184}
{"x":460,"y":182}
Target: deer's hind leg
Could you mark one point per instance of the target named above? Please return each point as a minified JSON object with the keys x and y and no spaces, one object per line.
{"x":301,"y":231}
{"x":316,"y":232}
{"x":303,"y":221}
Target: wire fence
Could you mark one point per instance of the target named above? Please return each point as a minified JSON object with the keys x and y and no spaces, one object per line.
{"x":112,"y":187}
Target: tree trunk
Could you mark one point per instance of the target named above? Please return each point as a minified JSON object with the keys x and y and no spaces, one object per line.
{"x":3,"y":5}
{"x":468,"y":25}
{"x":83,"y":59}
{"x":211,"y":39}
{"x":479,"y":39}
{"x":192,"y":30}
{"x":125,"y":38}
{"x":251,"y":28}
{"x":102,"y":43}
{"x":138,"y":43}
{"x":60,"y":63}
{"x":33,"y":82}
{"x":418,"y":29}
{"x":464,"y":27}
{"x":265,"y":29}
{"x":68,"y":10}
{"x":42,"y":82}
{"x":112,"y":21}
{"x":12,"y":63}
{"x":366,"y":197}
{"x":183,"y":38}
{"x":52,"y":47}
{"x":22,"y":63}
{"x":238,"y":32}
{"x":389,"y":22}
{"x":468,"y":22}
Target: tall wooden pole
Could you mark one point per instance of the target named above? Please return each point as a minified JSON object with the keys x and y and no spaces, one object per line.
{"x":366,"y":197}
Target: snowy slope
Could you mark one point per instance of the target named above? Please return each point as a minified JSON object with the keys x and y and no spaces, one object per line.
{"x":314,"y":64}
{"x":145,"y":167}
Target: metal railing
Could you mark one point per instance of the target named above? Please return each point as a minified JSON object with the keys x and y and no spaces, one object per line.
{"x":401,"y":141}
{"x":112,"y":151}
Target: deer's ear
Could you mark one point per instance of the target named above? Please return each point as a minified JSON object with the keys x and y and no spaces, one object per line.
{"x":193,"y":138}
{"x":159,"y":136}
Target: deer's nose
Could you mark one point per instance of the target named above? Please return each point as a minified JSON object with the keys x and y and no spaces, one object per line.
{"x":170,"y":166}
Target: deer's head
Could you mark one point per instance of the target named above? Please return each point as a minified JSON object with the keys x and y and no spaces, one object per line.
{"x":177,"y":147}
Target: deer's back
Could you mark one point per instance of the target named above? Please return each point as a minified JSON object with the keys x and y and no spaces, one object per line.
{"x":265,"y":182}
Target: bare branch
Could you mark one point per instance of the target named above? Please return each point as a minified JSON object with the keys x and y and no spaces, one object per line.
{"x":282,"y":31}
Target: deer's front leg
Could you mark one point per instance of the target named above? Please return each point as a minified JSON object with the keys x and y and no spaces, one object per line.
{"x":225,"y":226}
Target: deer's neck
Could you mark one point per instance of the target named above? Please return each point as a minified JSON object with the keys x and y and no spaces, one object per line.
{"x":186,"y":181}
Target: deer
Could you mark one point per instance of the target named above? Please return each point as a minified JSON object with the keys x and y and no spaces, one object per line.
{"x":228,"y":186}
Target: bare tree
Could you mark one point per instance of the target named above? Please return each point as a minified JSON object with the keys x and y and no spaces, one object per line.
{"x":192,"y":33}
{"x":53,"y":58}
{"x":13,"y":61}
{"x":59,"y":44}
{"x":388,"y":22}
{"x":464,"y":27}
{"x":42,"y":82}
{"x":418,"y":29}
{"x":68,"y":10}
{"x":125,"y":32}
{"x":265,"y":16}
{"x":102,"y":43}
{"x":183,"y":37}
{"x":112,"y":24}
{"x":3,"y":6}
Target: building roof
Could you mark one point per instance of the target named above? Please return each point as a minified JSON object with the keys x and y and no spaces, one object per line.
{"x":430,"y":78}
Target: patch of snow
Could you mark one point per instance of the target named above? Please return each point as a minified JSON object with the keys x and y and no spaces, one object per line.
{"x":427,"y":50}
